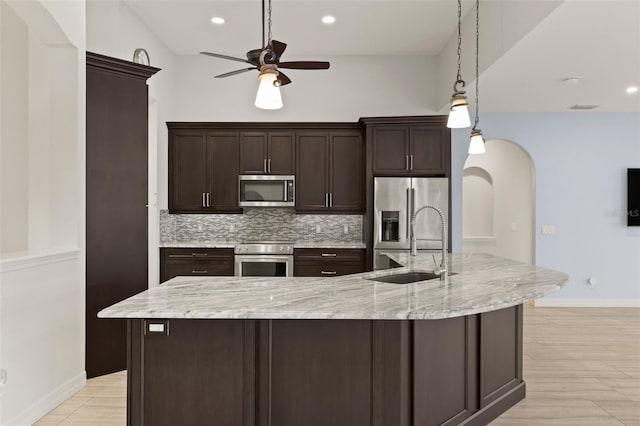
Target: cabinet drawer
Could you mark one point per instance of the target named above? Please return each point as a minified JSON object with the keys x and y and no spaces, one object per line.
{"x":198,"y":268}
{"x":326,"y":269}
{"x":330,"y":255}
{"x":197,"y":253}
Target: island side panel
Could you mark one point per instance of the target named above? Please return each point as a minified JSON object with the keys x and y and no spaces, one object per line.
{"x":321,"y":373}
{"x":500,"y":353}
{"x":443,"y":374}
{"x":195,"y":371}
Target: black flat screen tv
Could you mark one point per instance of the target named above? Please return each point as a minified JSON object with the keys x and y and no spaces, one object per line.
{"x":633,"y":197}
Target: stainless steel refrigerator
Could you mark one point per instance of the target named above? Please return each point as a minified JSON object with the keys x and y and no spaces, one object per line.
{"x":395,"y":201}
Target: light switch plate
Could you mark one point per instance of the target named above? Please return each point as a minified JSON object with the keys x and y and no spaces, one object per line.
{"x":548,"y":230}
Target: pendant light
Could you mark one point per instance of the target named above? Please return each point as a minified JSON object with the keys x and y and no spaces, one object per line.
{"x":268,"y":96}
{"x":458,"y":111}
{"x":476,"y":144}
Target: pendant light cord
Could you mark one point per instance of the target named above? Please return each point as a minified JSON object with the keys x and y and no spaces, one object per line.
{"x":459,"y":76}
{"x":475,"y":123}
{"x":269,"y":25}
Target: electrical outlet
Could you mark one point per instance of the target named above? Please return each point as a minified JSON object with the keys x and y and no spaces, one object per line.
{"x":592,"y":281}
{"x":3,"y":377}
{"x":232,"y":227}
{"x":345,"y":229}
{"x":318,"y":229}
{"x":548,"y":230}
{"x":200,"y":227}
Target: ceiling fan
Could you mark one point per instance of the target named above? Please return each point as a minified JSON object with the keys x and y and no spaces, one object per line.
{"x":267,"y":58}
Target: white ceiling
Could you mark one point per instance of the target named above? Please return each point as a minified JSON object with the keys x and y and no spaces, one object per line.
{"x":597,"y":40}
{"x":396,"y":27}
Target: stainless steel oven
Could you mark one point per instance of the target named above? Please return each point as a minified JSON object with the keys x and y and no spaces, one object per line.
{"x":264,"y":259}
{"x":266,"y":191}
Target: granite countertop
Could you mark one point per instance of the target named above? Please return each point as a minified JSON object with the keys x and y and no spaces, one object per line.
{"x":482,"y":283}
{"x":232,"y":244}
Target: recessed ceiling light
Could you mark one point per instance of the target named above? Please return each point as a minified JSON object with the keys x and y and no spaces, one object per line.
{"x":328,"y":19}
{"x":218,"y":20}
{"x":632,"y":89}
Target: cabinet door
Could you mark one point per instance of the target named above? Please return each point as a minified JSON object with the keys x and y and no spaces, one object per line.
{"x":426,"y":148}
{"x":253,"y":153}
{"x":346,"y":172}
{"x":223,"y":153}
{"x":281,"y":153}
{"x":311,"y":181}
{"x":390,"y":150}
{"x":187,"y":172}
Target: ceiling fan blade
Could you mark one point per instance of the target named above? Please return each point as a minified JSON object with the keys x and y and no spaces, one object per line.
{"x":283,"y":78}
{"x":304,"y":65}
{"x":229,"y":74}
{"x":278,"y":47}
{"x":231,"y":58}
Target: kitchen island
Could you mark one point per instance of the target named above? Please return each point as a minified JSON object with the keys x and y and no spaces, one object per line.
{"x":332,"y":351}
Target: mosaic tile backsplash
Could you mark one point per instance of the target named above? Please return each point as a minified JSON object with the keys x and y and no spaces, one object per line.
{"x":260,"y":224}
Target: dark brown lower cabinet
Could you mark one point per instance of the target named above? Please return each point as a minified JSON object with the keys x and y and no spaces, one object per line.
{"x":457,"y":371}
{"x":195,"y":262}
{"x":328,"y":262}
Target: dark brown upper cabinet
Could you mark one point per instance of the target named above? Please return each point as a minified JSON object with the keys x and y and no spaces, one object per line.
{"x":330,"y":176}
{"x":409,"y":147}
{"x":203,"y":171}
{"x":267,"y":153}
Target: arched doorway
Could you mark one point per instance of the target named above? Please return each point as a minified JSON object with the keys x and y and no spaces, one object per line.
{"x":499,"y":202}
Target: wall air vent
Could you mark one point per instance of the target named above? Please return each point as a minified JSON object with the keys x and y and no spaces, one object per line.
{"x":578,"y":107}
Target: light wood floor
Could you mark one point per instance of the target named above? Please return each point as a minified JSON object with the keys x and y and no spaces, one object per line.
{"x":581,"y":365}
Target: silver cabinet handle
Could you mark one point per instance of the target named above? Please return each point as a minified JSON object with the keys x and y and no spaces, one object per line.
{"x":331,"y":199}
{"x":269,"y":165}
{"x":411,"y":167}
{"x":326,"y":199}
{"x":208,"y":200}
{"x":328,"y":272}
{"x":195,"y":271}
{"x":406,"y":162}
{"x":264,"y":167}
{"x":199,"y":254}
{"x":328,"y":255}
{"x":409,"y":212}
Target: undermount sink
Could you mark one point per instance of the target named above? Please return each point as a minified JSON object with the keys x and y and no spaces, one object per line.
{"x":407,"y":277}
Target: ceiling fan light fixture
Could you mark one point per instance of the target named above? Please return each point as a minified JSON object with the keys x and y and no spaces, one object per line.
{"x":268,"y":96}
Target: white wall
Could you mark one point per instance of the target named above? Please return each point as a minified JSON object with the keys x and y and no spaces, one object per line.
{"x":42,"y":287}
{"x":512,"y":210}
{"x":14,"y":132}
{"x":581,"y":161}
{"x":114,"y":30}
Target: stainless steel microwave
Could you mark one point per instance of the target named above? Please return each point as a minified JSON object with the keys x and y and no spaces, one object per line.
{"x":266,"y":191}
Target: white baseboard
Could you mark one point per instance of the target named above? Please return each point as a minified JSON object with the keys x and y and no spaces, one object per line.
{"x":48,"y":402}
{"x":588,"y":303}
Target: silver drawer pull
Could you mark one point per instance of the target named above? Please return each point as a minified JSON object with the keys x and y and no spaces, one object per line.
{"x":195,"y":271}
{"x":199,"y":254}
{"x":328,"y":272}
{"x":329,"y":255}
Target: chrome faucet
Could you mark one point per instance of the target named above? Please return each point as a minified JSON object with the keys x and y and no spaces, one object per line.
{"x":443,"y":268}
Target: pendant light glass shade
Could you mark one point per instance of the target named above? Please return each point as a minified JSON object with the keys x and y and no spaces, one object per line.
{"x":458,"y":114}
{"x":268,"y":96}
{"x":476,"y":145}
